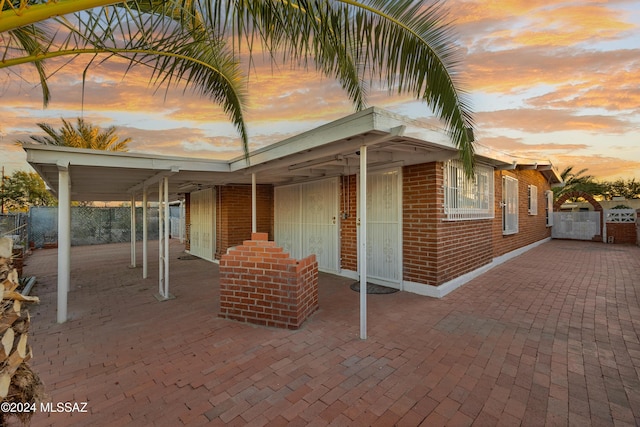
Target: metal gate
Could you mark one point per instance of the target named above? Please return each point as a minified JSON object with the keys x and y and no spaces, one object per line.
{"x":306,"y":221}
{"x":576,"y":225}
{"x":384,"y":226}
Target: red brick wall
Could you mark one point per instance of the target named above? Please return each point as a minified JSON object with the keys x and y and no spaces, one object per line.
{"x":233,"y":214}
{"x":348,"y":229}
{"x":422,"y":190}
{"x":436,"y":250}
{"x":622,"y":232}
{"x":261,"y":284}
{"x":531,"y":228}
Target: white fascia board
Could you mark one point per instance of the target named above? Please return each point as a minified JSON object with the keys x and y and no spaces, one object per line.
{"x":420,"y":131}
{"x":350,"y":126}
{"x":38,"y":154}
{"x":372,"y":119}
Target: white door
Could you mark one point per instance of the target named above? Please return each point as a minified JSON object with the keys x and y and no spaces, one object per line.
{"x":384,"y":226}
{"x":306,"y":221}
{"x":202,"y":231}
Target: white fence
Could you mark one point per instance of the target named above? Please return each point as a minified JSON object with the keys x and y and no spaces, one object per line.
{"x":620,"y":215}
{"x":617,"y":216}
{"x":575,"y":225}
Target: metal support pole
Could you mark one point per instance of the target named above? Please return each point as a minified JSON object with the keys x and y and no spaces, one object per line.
{"x":145,"y":261}
{"x":64,"y":240}
{"x":133,"y":230}
{"x":160,"y":238}
{"x":165,"y":292}
{"x":362,"y":252}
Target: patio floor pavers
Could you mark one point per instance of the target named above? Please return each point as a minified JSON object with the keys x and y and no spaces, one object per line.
{"x":548,"y":338}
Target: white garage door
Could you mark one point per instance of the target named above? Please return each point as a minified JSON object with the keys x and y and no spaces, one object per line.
{"x":306,"y":221}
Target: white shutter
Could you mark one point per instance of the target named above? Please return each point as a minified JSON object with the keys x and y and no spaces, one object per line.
{"x":533,"y":200}
{"x":549,"y":208}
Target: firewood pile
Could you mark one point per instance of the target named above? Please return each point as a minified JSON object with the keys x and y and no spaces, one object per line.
{"x":19,"y":385}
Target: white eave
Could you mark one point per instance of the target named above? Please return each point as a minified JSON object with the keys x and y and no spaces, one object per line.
{"x":329,"y":150}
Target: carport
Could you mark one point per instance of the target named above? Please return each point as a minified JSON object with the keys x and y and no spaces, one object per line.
{"x":88,"y":175}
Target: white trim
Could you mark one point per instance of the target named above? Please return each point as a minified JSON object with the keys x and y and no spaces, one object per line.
{"x":453,"y":284}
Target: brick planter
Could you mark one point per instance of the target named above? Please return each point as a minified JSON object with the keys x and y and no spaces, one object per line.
{"x":261,"y":284}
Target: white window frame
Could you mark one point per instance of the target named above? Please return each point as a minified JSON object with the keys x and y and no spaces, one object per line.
{"x":509,"y":205}
{"x":468,"y":199}
{"x":533,"y":199}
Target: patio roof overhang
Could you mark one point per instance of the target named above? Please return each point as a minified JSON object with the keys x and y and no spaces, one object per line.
{"x":329,"y":150}
{"x":115,"y":176}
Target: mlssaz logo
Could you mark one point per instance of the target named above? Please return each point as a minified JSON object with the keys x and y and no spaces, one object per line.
{"x":63,"y":407}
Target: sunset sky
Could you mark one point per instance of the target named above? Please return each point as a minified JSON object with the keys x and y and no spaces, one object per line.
{"x":547,"y":80}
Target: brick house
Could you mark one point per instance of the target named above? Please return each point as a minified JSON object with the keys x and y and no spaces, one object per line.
{"x":429,"y":229}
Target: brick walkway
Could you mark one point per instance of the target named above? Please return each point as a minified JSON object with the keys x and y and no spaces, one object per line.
{"x":549,"y":338}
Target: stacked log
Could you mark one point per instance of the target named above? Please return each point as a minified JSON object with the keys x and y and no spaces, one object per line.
{"x":19,"y":385}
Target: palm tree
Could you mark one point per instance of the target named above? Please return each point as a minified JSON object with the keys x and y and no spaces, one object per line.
{"x":576,"y":181}
{"x":406,"y":45}
{"x":83,"y":135}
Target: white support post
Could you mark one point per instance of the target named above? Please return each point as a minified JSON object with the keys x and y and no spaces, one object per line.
{"x":163,"y":241}
{"x":362,"y":251}
{"x":254,"y":214}
{"x":133,"y":230}
{"x":167,"y":218}
{"x":145,"y":261}
{"x":160,"y":239}
{"x":181,"y":221}
{"x":64,"y":240}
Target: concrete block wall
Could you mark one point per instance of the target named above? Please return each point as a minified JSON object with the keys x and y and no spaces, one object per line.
{"x":261,"y":284}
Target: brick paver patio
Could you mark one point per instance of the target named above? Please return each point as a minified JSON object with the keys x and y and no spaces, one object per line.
{"x":549,"y":338}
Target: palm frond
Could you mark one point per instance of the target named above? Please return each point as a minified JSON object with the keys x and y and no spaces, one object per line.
{"x":33,"y":40}
{"x":407,"y":46}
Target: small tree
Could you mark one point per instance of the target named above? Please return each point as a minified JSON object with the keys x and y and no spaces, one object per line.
{"x":22,"y":190}
{"x":629,"y":189}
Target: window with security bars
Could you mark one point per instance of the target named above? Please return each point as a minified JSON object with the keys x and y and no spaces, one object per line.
{"x":466,"y":199}
{"x":509,"y":205}
{"x":533,"y":200}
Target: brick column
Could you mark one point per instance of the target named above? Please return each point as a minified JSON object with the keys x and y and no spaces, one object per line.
{"x":261,"y":284}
